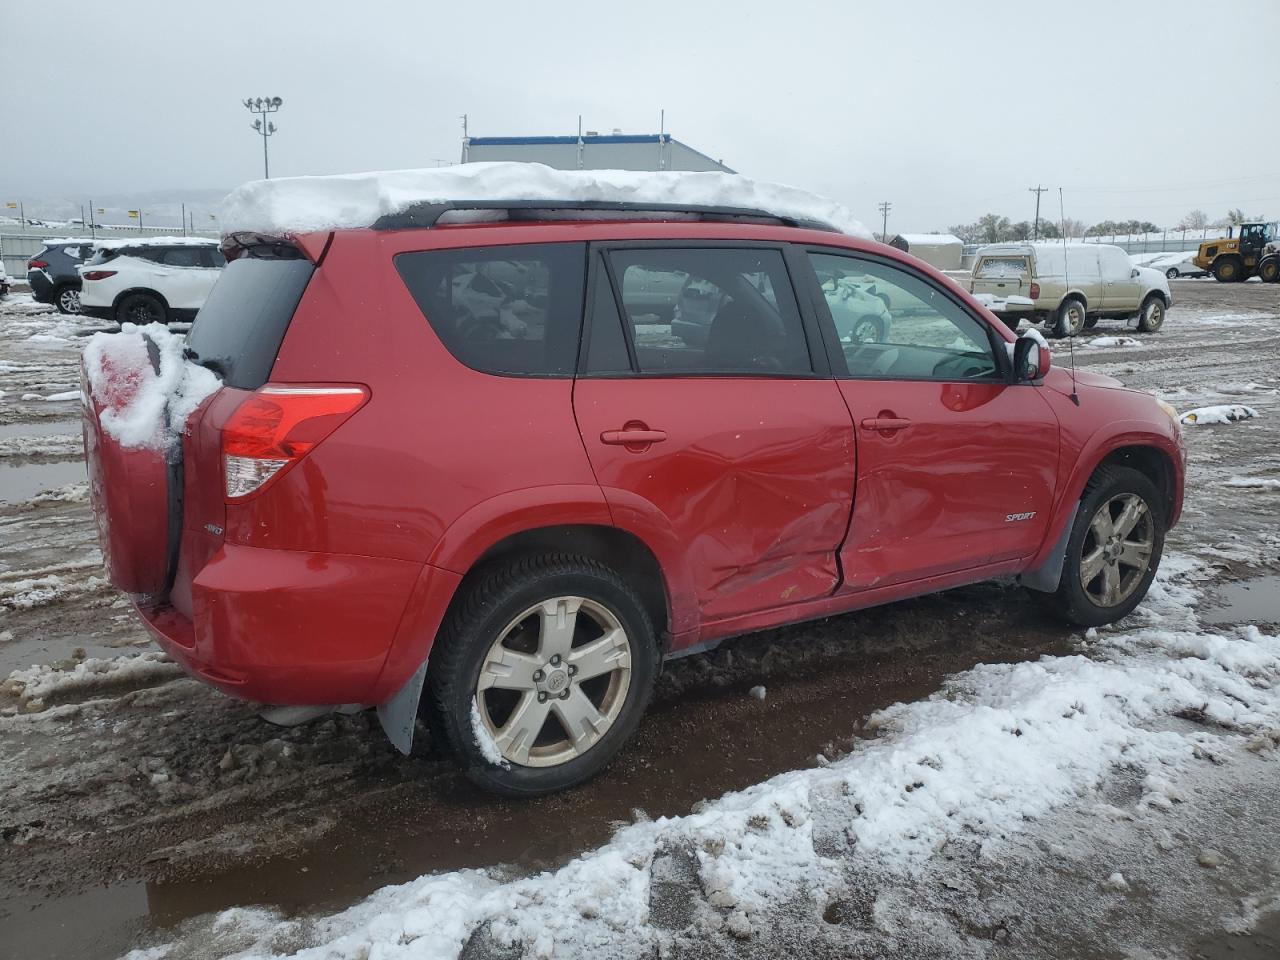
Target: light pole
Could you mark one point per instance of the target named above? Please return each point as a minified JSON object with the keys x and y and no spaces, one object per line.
{"x":264,"y":106}
{"x":884,"y":227}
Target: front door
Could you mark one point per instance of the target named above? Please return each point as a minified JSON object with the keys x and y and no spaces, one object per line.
{"x":956,"y":467}
{"x":1121,"y":288}
{"x":725,"y":438}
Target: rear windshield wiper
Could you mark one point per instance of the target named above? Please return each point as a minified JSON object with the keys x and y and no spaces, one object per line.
{"x":215,"y":365}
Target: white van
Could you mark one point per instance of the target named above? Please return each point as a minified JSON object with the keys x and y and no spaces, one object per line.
{"x":1070,"y":286}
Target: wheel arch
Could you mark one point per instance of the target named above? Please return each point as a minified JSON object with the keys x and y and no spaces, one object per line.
{"x":1132,"y":444}
{"x":115,"y":304}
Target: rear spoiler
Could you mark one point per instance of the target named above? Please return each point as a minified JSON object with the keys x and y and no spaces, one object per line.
{"x":313,"y":246}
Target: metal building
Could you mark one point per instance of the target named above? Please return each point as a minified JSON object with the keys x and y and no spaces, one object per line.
{"x":649,"y":151}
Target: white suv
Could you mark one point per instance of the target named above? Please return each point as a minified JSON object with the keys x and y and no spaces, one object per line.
{"x":149,"y":280}
{"x":1069,"y":285}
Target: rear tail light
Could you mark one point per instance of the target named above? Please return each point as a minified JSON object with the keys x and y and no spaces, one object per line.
{"x":1035,"y":291}
{"x":37,"y":264}
{"x":98,"y":274}
{"x":276,"y":427}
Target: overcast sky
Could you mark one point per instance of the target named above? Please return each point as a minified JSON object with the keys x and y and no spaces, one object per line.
{"x":948,"y":109}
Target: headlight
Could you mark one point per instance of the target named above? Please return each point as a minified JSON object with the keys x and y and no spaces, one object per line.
{"x":1167,"y":408}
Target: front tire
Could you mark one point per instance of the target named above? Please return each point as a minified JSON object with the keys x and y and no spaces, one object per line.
{"x":1171,"y":273}
{"x":1228,"y":270}
{"x":1269,"y":270}
{"x":541,"y":673}
{"x":1070,"y":319}
{"x":1114,"y":549}
{"x":1151,"y":315}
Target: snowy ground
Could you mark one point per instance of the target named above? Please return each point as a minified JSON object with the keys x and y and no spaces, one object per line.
{"x":952,"y":777}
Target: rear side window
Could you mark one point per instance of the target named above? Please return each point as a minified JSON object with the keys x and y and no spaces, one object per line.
{"x":238,"y":331}
{"x":181,"y":257}
{"x":513,"y":311}
{"x":695,"y":311}
{"x":1001,"y":268}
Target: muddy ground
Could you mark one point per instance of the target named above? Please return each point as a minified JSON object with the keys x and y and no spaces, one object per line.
{"x":127,"y":809}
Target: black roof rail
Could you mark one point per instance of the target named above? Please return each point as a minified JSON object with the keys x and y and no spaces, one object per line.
{"x":427,"y":214}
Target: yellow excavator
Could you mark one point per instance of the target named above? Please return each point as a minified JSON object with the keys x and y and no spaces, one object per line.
{"x":1236,"y":258}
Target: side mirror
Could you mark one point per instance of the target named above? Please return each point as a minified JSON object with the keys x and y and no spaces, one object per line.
{"x":1031,"y":357}
{"x":1133,"y":274}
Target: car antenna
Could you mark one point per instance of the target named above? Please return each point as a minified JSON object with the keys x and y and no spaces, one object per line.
{"x":1071,"y":337}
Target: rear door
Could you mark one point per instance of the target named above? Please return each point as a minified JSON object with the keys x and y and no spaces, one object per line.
{"x":184,"y":276}
{"x":956,"y":467}
{"x":1121,"y":290}
{"x":735,"y":446}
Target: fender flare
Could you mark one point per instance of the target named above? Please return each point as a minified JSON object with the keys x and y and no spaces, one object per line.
{"x":491,"y":521}
{"x":1100,"y":445}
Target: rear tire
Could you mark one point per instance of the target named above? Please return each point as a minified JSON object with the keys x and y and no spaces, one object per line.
{"x":1151,"y":315}
{"x":511,"y":664}
{"x":1269,"y":270}
{"x":1228,"y":270}
{"x":142,"y":308}
{"x":67,"y":299}
{"x":1070,"y":319}
{"x":1171,"y":273}
{"x":1114,"y":549}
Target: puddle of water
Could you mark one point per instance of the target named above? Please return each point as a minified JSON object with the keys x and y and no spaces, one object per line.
{"x":39,"y":428}
{"x":41,"y":928}
{"x":1248,"y":601}
{"x":23,"y":482}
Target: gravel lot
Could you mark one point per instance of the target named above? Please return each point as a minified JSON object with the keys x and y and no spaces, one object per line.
{"x":135,"y":800}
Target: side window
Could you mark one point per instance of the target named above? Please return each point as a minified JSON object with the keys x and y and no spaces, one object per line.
{"x":181,"y":257}
{"x":894,"y":325}
{"x":210,"y":257}
{"x":695,"y":311}
{"x":1116,"y":265}
{"x":513,"y":310}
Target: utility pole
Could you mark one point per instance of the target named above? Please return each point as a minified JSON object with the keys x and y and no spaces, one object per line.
{"x":466,"y":140}
{"x":184,"y":219}
{"x":1037,"y":190}
{"x":263,"y":106}
{"x":885,"y":207}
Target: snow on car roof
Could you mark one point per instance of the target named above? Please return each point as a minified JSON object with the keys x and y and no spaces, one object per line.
{"x":116,"y":244}
{"x":302,"y":204}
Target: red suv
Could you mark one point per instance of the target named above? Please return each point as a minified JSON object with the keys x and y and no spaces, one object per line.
{"x":474,"y":472}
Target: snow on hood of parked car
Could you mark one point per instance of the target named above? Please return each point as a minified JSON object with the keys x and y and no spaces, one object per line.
{"x":295,"y":205}
{"x":145,"y":408}
{"x":116,"y":244}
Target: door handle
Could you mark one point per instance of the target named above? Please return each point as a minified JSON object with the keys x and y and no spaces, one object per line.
{"x":885,"y":424}
{"x":631,"y":435}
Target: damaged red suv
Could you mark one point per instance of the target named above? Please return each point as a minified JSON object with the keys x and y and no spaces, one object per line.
{"x":491,"y":474}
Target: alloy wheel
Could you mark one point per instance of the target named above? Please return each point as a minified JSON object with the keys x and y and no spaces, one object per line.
{"x":1075,"y":319}
{"x":554,"y":681}
{"x":1117,"y":549}
{"x":69,"y":301}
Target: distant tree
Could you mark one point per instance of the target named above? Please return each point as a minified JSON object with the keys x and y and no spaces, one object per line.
{"x":1121,"y":227}
{"x":1074,"y":228}
{"x":1235,"y":217}
{"x":1195,"y":220}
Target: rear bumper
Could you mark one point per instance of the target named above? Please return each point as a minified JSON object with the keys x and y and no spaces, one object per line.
{"x":286,"y":627}
{"x":42,"y":286}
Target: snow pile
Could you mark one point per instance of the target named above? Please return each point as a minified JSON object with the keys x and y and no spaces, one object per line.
{"x":1253,"y":483}
{"x":999,"y":746}
{"x":116,"y":244}
{"x":1114,"y":342}
{"x":145,"y":408}
{"x":30,"y":592}
{"x":1222,"y":413}
{"x":34,"y":685}
{"x":488,"y":749}
{"x":302,"y":204}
